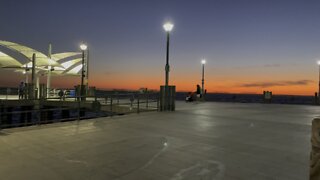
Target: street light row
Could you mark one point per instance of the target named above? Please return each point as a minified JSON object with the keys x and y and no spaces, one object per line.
{"x":168,"y":28}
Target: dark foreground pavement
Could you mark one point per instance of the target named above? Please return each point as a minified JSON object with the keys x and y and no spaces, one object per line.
{"x":205,"y":141}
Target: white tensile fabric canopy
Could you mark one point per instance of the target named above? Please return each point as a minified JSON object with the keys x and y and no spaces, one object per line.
{"x":66,"y":63}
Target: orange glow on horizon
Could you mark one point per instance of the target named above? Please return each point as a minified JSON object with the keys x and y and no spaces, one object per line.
{"x":217,"y":87}
{"x":184,"y":82}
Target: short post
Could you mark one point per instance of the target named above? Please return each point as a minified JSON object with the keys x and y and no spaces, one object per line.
{"x":117,"y":99}
{"x":158,"y":102}
{"x":147,"y":100}
{"x":106,"y":100}
{"x":111,"y":104}
{"x":78,"y":108}
{"x":131,"y":102}
{"x":315,"y":153}
{"x":8,"y":92}
{"x":39,"y":111}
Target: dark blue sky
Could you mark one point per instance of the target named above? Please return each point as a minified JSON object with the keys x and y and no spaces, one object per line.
{"x":244,"y":41}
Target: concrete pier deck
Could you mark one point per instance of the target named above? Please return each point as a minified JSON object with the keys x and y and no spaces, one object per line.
{"x":208,"y":141}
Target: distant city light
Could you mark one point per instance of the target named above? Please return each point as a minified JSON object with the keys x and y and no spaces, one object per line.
{"x":168,"y":26}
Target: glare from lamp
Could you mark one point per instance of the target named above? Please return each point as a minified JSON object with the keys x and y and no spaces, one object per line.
{"x":168,"y":26}
{"x":203,"y":61}
{"x":83,"y":47}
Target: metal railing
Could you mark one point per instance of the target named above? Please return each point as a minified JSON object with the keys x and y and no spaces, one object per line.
{"x":129,"y":103}
{"x":17,"y":113}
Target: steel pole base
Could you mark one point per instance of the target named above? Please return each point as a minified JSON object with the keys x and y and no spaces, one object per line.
{"x":167,"y":98}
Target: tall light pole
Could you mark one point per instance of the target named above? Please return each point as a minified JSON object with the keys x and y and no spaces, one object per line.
{"x":203,"y":62}
{"x":83,"y":47}
{"x":319,"y":80}
{"x":26,"y":73}
{"x":168,"y":28}
{"x":49,"y":71}
{"x":87,"y":68}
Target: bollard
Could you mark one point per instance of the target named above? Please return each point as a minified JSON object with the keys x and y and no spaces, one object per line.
{"x":315,"y":153}
{"x":78,"y":108}
{"x":131,"y":102}
{"x":106,"y":100}
{"x":147,"y":101}
{"x":8,"y":93}
{"x":111,"y":105}
{"x":118,"y":102}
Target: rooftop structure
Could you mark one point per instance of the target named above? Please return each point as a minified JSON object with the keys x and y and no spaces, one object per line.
{"x":66,"y":63}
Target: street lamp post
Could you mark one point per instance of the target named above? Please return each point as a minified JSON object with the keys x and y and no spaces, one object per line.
{"x":49,"y":71}
{"x":83,"y":47}
{"x":26,"y":73}
{"x":168,"y":28}
{"x":87,"y":68}
{"x":203,"y":62}
{"x":167,"y":92}
{"x":319,"y":81}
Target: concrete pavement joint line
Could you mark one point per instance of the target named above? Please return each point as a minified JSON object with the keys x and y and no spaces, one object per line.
{"x":78,"y":162}
{"x":165,"y":146}
{"x":203,"y":170}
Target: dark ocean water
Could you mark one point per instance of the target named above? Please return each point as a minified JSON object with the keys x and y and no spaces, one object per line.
{"x":253,"y":98}
{"x":242,"y":98}
{"x":216,"y":97}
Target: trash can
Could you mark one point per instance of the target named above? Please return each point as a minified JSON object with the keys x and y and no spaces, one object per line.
{"x":72,"y":93}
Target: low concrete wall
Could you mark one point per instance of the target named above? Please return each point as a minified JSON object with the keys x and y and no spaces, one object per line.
{"x":315,"y":154}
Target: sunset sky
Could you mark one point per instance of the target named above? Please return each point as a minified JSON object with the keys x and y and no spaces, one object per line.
{"x":250,"y":45}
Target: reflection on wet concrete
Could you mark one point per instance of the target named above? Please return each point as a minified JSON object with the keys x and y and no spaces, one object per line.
{"x":135,"y":154}
{"x":165,"y":146}
{"x":205,"y":170}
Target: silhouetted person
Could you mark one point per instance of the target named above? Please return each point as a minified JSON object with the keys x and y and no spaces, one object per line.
{"x":189,"y":97}
{"x":60,"y":94}
{"x":131,"y":101}
{"x":25,"y":91}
